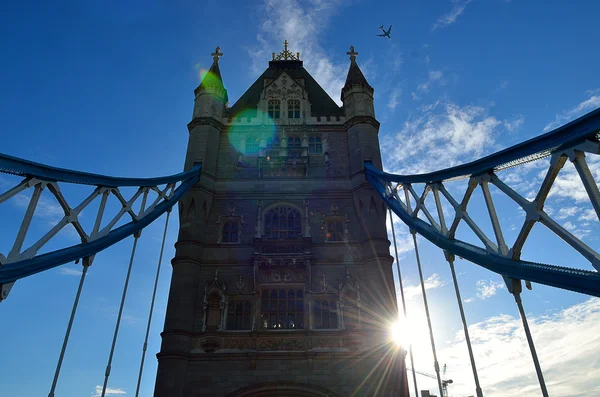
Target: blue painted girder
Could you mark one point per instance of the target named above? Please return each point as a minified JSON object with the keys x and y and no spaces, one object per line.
{"x":13,"y":271}
{"x":584,"y":281}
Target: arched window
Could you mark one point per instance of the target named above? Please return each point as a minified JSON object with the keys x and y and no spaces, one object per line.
{"x":239,"y":315}
{"x":230,"y":232}
{"x":293,"y":109}
{"x":294,"y":142}
{"x":274,"y":109}
{"x":282,"y":308}
{"x":283,"y":223}
{"x":251,"y":145}
{"x":326,"y":314}
{"x":213,"y":312}
{"x":335,"y":231}
{"x":315,"y":145}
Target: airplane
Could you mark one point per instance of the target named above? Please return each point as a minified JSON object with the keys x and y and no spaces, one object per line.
{"x":385,"y":34}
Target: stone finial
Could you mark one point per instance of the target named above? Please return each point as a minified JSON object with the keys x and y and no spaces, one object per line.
{"x":217,"y":54}
{"x":352,"y":53}
{"x":286,"y":54}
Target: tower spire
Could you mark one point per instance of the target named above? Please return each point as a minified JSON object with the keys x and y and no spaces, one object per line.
{"x":355,"y":75}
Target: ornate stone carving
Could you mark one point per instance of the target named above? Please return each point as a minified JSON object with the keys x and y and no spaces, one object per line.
{"x":282,"y":249}
{"x":326,"y":343}
{"x":281,"y":344}
{"x":237,"y":344}
{"x":287,"y":275}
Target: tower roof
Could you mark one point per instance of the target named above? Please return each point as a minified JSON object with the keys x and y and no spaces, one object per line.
{"x":355,"y":75}
{"x":213,"y":78}
{"x":290,"y":63}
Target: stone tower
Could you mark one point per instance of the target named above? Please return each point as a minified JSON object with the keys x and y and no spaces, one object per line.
{"x":282,"y":281}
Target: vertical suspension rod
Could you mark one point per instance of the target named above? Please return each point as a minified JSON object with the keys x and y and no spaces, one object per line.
{"x":436,"y":365}
{"x":86,"y":264}
{"x":450,"y":259}
{"x":410,"y":352}
{"x":536,"y":362}
{"x":162,"y":247}
{"x":136,"y":236}
{"x":435,"y":361}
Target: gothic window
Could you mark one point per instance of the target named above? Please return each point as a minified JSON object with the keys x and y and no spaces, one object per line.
{"x":283,"y":223}
{"x":314,"y":145}
{"x":335,"y":231}
{"x":293,"y":109}
{"x":252,"y":146}
{"x":325,"y":314}
{"x":230,"y":232}
{"x":239,"y":315}
{"x":294,"y":142}
{"x":351,"y":310}
{"x":274,"y":109}
{"x":282,"y":308}
{"x":213,"y":312}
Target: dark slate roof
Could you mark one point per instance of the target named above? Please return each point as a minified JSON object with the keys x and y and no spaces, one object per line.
{"x":355,"y":75}
{"x":321,"y":102}
{"x":213,"y":77}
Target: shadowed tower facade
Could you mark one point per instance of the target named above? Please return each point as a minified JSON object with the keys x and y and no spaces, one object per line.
{"x":282,"y":280}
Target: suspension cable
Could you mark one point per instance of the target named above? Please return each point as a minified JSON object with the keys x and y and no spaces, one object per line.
{"x":145,"y":346}
{"x":136,"y":236}
{"x":450,"y":259}
{"x":516,"y":291}
{"x":435,"y":361}
{"x":86,"y":263}
{"x":410,"y":352}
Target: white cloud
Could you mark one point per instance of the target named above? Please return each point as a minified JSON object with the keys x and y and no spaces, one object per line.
{"x":46,"y":209}
{"x":69,"y":271}
{"x":469,"y":300}
{"x":588,"y":215}
{"x":301,"y":23}
{"x":589,"y":104}
{"x":432,"y":282}
{"x":441,"y":137}
{"x":488,"y":288}
{"x":109,"y":392}
{"x":434,"y":76}
{"x":514,"y":124}
{"x":394,"y":98}
{"x":566,"y":341}
{"x":567,"y":212}
{"x":450,"y":18}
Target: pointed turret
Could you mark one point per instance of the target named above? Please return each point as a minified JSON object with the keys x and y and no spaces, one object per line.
{"x":211,"y":95}
{"x":357,"y":94}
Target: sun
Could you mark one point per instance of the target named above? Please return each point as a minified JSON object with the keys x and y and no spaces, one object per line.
{"x":399,"y":333}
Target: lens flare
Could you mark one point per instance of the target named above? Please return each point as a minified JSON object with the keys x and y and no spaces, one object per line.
{"x":246,"y":141}
{"x":398,"y":333}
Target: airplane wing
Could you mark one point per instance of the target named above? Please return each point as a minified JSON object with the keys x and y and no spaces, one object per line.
{"x":389,"y":30}
{"x":381,"y":35}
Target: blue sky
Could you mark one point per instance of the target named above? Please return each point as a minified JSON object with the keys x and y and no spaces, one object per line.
{"x":108,"y":87}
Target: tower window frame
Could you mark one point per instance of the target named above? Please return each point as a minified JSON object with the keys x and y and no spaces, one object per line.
{"x":293,"y":109}
{"x":230,"y":229}
{"x":274,"y":109}
{"x":315,"y":145}
{"x":239,"y":315}
{"x":282,"y":222}
{"x":325,"y":313}
{"x":282,"y":308}
{"x":336,"y":230}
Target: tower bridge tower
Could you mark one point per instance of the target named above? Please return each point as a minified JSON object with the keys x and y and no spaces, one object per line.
{"x":282,"y":280}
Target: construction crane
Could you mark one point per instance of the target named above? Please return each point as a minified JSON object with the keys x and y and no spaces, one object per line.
{"x":445,"y":382}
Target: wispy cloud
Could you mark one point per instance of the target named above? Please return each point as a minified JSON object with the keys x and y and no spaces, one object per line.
{"x":433,"y":77}
{"x":488,"y":288}
{"x":512,"y":125}
{"x":469,"y":300}
{"x":591,"y":103}
{"x":394,"y":98}
{"x":449,"y":134}
{"x":449,"y":18}
{"x":566,"y":341}
{"x":432,"y":282}
{"x":109,"y":391}
{"x":69,"y":271}
{"x":301,"y":23}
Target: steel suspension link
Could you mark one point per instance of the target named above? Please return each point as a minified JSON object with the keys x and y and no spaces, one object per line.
{"x":450,"y":259}
{"x":86,"y":263}
{"x":145,"y":346}
{"x":136,"y":236}
{"x":410,"y":352}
